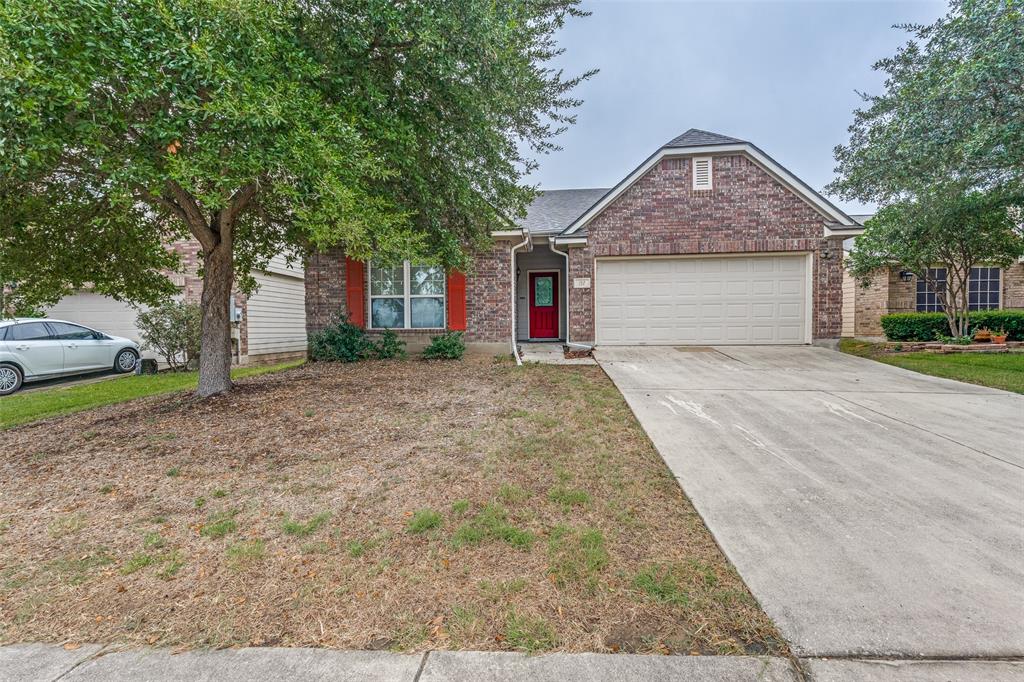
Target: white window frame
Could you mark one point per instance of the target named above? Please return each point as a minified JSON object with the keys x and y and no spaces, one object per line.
{"x":711,"y":181}
{"x":406,"y":297}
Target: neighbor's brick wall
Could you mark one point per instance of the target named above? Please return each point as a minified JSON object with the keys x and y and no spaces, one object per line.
{"x":870,"y":303}
{"x":746,"y":211}
{"x":1013,"y":286}
{"x":488,"y":295}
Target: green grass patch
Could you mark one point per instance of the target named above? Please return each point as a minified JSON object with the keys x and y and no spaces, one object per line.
{"x":569,"y":497}
{"x":66,"y":525}
{"x":153,"y":541}
{"x":28,"y":407}
{"x":220,"y":524}
{"x":246,"y":552}
{"x":424,"y":520}
{"x":529,"y":634}
{"x":174,"y":472}
{"x":510,"y":494}
{"x":299,"y":529}
{"x":77,"y":569}
{"x":491,"y":523}
{"x":576,"y":556}
{"x":501,"y":589}
{"x":138,"y":562}
{"x":996,"y":370}
{"x":460,"y":507}
{"x":658,"y":582}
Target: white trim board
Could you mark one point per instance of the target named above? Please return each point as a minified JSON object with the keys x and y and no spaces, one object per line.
{"x":767,"y":164}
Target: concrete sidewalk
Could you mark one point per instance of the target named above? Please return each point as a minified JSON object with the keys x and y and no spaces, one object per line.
{"x":49,"y":662}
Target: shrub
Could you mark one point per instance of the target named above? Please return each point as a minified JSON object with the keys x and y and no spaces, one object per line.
{"x":389,"y":345}
{"x":341,"y":342}
{"x":173,"y":331}
{"x":932,"y":326}
{"x":447,"y":346}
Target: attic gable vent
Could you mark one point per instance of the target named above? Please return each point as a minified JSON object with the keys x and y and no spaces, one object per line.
{"x":702,"y":172}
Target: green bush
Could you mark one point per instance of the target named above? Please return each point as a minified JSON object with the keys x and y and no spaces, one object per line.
{"x":342,"y":342}
{"x":447,"y":346}
{"x":914,"y":326}
{"x":932,"y":326}
{"x":1011,"y":321}
{"x":389,"y":345}
{"x":173,"y":331}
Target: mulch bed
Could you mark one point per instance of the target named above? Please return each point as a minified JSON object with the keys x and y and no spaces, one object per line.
{"x":279,"y":515}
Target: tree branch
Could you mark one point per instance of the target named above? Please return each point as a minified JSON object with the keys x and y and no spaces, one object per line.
{"x":193,"y":216}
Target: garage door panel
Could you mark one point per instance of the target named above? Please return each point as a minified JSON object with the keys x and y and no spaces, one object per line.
{"x":727,"y":300}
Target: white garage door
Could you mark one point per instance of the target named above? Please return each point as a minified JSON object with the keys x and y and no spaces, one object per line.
{"x":99,"y":312}
{"x":728,"y":300}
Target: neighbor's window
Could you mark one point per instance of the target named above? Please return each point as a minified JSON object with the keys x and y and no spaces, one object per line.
{"x":407,"y":297}
{"x":982,"y":290}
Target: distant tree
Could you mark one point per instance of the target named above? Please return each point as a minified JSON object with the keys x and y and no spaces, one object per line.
{"x":943,"y":227}
{"x":386,"y":127}
{"x":952,"y":109}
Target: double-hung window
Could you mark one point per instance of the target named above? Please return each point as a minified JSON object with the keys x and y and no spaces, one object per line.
{"x":407,"y":296}
{"x":982,"y":290}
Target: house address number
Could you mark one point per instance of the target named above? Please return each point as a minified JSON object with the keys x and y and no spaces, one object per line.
{"x":581,"y":283}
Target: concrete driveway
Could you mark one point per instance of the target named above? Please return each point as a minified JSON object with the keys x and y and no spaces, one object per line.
{"x":873,"y":511}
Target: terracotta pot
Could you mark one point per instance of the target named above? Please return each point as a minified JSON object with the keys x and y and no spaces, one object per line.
{"x":998,"y":339}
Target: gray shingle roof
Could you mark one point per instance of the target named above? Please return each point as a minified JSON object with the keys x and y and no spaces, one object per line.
{"x":699,"y":138}
{"x":554,"y":210}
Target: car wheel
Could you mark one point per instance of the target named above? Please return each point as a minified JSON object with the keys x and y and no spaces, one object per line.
{"x":10,"y":379}
{"x":126,"y":361}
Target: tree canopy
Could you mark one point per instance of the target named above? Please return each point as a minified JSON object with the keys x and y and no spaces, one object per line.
{"x":944,"y":226}
{"x":256,"y":126}
{"x":952,"y":109}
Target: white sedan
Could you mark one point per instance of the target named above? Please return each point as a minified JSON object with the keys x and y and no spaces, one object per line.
{"x":35,"y":349}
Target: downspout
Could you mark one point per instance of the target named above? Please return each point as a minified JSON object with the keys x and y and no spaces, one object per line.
{"x":512,"y":260}
{"x":565,"y":255}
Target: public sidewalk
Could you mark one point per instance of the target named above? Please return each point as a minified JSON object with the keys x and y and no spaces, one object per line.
{"x":48,"y":662}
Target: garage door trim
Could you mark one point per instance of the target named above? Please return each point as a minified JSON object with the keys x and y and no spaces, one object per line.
{"x":808,"y":274}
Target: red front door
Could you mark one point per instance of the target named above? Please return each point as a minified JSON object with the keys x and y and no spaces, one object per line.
{"x":544,"y":305}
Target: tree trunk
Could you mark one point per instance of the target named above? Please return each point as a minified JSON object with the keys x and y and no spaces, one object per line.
{"x":215,"y":353}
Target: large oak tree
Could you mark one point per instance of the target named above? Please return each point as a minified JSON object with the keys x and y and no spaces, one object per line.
{"x":387,"y":127}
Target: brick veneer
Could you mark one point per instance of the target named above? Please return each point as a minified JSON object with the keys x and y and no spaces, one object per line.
{"x":746,"y":211}
{"x":890,"y":294}
{"x":488,"y":294}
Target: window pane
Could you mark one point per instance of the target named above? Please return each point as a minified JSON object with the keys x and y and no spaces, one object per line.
{"x":927,"y":301}
{"x":387,"y":281}
{"x":543,"y":291}
{"x":66,"y":331}
{"x":427,"y":313}
{"x":31,"y":331}
{"x":426,"y":281}
{"x":387,"y":312}
{"x":984,"y":286}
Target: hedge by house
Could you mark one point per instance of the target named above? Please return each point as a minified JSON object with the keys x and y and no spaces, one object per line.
{"x":930,"y":326}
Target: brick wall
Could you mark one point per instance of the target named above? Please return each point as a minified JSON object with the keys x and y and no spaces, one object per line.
{"x":747,"y":211}
{"x":1013,"y":286}
{"x":325,"y":289}
{"x":488,"y":295}
{"x":190,"y":251}
{"x":870,"y":303}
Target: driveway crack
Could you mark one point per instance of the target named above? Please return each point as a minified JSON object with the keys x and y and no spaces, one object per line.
{"x":921,"y":428}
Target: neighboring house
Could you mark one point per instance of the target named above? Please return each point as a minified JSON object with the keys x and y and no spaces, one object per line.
{"x":270,"y":325}
{"x":894,"y":290}
{"x":708,"y":241}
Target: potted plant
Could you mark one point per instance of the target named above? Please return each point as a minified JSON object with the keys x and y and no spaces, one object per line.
{"x":999,"y":336}
{"x":982,"y":335}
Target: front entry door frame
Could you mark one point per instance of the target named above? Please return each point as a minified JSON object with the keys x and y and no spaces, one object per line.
{"x":538,"y":315}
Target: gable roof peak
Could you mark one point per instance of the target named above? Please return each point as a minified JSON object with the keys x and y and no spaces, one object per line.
{"x":694,"y":137}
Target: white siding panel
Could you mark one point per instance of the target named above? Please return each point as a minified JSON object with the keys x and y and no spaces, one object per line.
{"x":727,"y":300}
{"x":277,"y":315}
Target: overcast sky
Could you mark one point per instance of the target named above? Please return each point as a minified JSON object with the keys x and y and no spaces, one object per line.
{"x":781,"y":74}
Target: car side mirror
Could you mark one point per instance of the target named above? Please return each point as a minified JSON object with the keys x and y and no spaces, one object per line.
{"x":98,"y":336}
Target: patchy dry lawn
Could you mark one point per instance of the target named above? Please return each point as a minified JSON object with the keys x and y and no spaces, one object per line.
{"x":406,"y":505}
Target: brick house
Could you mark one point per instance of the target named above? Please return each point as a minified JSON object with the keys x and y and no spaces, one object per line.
{"x":896,"y":291}
{"x":708,"y":241}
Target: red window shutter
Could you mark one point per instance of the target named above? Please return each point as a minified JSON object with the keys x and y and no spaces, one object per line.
{"x":354,"y":287}
{"x":456,"y":301}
